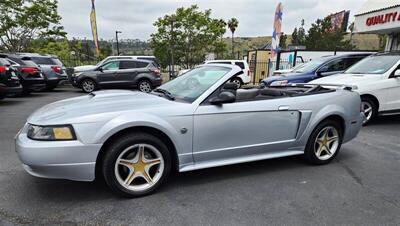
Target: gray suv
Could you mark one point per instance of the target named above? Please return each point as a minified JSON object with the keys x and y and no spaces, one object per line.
{"x":142,"y":74}
{"x":53,"y":70}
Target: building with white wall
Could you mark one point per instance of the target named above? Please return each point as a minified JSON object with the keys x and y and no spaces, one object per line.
{"x":380,"y":17}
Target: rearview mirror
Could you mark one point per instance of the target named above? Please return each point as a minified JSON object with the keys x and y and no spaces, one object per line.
{"x":223,"y":98}
{"x":397,"y":73}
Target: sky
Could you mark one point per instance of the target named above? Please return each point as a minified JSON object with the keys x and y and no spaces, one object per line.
{"x":135,"y":18}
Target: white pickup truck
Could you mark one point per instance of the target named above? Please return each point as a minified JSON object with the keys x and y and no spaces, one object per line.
{"x":377,"y":79}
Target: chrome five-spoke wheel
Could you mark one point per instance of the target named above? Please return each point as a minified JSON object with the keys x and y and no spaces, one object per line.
{"x":139,"y":167}
{"x":326,"y":143}
{"x":136,"y":164}
{"x":368,"y":111}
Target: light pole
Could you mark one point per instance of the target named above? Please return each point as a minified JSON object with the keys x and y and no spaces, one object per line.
{"x":172,"y":21}
{"x":116,"y":37}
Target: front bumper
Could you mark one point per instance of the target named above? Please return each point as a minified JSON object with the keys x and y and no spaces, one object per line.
{"x":70,"y":160}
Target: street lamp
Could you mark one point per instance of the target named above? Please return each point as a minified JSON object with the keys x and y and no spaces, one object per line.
{"x":172,"y":20}
{"x":116,"y":37}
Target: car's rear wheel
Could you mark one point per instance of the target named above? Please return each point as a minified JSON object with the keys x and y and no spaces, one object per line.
{"x":369,"y":108}
{"x":145,"y":86}
{"x":88,"y":85}
{"x":324,"y":143}
{"x":136,"y":164}
{"x":237,"y":81}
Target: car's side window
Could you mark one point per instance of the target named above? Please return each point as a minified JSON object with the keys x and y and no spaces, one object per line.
{"x":240,"y":64}
{"x":335,"y":65}
{"x":142,"y":64}
{"x":127,"y":65}
{"x":111,"y":66}
{"x":351,"y":61}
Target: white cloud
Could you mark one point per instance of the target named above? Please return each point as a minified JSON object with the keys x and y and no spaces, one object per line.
{"x":135,"y":18}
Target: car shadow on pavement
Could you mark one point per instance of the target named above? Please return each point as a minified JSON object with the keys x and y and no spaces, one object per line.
{"x":384,"y":120}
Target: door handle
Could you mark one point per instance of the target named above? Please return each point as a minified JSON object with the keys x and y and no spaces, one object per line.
{"x":283,"y":108}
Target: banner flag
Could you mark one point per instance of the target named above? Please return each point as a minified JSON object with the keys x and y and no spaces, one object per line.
{"x":276,"y":34}
{"x":93,"y":24}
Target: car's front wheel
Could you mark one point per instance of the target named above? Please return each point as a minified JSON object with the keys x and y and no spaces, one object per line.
{"x":136,"y":164}
{"x":369,"y":108}
{"x":88,"y":85}
{"x":324,"y":143}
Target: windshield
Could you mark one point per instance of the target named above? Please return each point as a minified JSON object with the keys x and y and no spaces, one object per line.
{"x":309,"y":66}
{"x":194,"y":83}
{"x":374,"y":65}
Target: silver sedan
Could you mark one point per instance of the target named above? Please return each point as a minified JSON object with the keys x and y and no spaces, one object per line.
{"x":199,"y":120}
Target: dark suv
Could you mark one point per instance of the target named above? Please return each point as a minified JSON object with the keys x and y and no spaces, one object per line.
{"x":9,"y":82}
{"x":141,"y":74}
{"x":52,"y":68}
{"x":28,"y":72}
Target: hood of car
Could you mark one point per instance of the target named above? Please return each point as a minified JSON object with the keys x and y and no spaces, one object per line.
{"x":349,"y":79}
{"x":84,"y":68}
{"x":288,"y":76}
{"x":97,"y":107}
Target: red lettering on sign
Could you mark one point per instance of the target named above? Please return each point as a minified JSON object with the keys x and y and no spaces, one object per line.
{"x":383,"y":18}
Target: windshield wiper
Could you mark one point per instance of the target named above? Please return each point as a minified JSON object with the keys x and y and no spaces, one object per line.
{"x":165,"y":92}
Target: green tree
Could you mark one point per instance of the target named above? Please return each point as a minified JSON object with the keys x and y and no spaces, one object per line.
{"x":299,"y":35}
{"x":21,"y":21}
{"x":233,"y":23}
{"x":282,"y":41}
{"x":192,"y":34}
{"x":320,"y":36}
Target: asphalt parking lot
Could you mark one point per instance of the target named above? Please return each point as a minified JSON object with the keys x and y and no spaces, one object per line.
{"x":361,"y":187}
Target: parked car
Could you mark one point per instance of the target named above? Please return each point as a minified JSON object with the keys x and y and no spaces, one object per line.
{"x":243,"y":78}
{"x":286,"y":71}
{"x":317,"y":68}
{"x":377,"y":80}
{"x":9,"y":82}
{"x":29,"y":73}
{"x":140,"y":74}
{"x":199,"y":120}
{"x":52,"y":68}
{"x":110,"y":58}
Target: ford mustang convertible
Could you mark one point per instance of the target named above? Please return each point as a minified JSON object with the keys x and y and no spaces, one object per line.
{"x":133,"y":140}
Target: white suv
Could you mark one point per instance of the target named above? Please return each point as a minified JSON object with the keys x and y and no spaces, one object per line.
{"x":377,"y":79}
{"x":241,"y":79}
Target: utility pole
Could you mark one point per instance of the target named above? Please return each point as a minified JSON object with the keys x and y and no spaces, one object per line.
{"x":116,"y":37}
{"x":172,"y":47}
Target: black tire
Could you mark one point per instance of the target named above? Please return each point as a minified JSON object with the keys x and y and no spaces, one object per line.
{"x":310,"y":154}
{"x":88,"y":85}
{"x":145,"y":86}
{"x":115,"y":149}
{"x":366,"y":101}
{"x":238,"y":81}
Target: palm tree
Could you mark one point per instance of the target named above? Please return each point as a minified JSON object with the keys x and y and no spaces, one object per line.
{"x":233,"y":23}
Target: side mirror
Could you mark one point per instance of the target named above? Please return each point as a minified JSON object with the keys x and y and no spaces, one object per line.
{"x":397,"y":73}
{"x":100,"y":69}
{"x":223,"y":98}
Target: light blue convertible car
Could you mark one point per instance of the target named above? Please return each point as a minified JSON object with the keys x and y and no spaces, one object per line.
{"x":199,"y":120}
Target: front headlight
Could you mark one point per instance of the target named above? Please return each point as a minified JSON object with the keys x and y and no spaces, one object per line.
{"x":51,"y":133}
{"x":279,"y":83}
{"x":76,"y":74}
